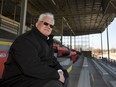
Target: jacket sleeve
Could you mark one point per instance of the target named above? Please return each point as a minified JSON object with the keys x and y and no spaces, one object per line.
{"x":26,"y":57}
{"x":58,"y":66}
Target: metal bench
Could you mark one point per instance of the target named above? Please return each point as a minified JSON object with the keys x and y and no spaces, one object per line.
{"x":84,"y":79}
{"x":110,"y":70}
{"x":85,"y":63}
{"x":113,"y":83}
{"x":101,"y":70}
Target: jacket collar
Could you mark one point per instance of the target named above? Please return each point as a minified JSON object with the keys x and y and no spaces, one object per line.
{"x":38,"y":34}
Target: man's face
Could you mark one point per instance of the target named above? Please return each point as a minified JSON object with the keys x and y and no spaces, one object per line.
{"x":45,"y":26}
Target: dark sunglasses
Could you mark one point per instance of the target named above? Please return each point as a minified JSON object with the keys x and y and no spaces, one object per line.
{"x":45,"y":23}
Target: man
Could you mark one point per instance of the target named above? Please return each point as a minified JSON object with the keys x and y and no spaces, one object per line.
{"x":30,"y":62}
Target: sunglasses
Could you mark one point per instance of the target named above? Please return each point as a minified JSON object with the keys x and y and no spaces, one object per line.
{"x":46,"y":24}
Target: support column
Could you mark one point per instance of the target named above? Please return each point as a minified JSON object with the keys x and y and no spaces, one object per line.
{"x":1,"y":7}
{"x":23,"y":17}
{"x":74,"y":42}
{"x":70,"y":40}
{"x":101,"y":46}
{"x":108,"y":44}
{"x":62,"y":32}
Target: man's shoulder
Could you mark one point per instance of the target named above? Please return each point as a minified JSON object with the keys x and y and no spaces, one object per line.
{"x":28,"y":35}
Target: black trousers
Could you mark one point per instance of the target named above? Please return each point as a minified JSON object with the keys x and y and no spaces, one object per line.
{"x":27,"y":82}
{"x":56,"y":83}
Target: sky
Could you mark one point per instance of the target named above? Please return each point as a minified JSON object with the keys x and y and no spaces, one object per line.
{"x":95,"y":39}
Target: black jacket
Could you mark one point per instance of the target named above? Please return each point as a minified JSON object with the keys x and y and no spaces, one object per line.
{"x":30,"y":61}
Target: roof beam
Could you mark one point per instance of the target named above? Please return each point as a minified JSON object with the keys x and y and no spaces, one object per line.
{"x":79,"y":13}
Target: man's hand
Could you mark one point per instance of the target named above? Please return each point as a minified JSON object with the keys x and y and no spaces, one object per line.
{"x":62,"y":79}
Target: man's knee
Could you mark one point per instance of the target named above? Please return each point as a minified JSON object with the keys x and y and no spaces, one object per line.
{"x":54,"y":83}
{"x":66,"y":84}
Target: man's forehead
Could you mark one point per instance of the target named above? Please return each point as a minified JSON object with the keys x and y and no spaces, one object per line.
{"x":47,"y":19}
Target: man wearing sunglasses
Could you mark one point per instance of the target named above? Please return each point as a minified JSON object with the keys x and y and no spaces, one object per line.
{"x":31,"y":62}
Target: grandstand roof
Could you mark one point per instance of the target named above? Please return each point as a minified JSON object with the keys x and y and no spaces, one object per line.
{"x":75,"y":17}
{"x":79,"y":17}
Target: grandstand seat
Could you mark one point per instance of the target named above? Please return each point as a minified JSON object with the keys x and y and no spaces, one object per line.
{"x":3,"y":57}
